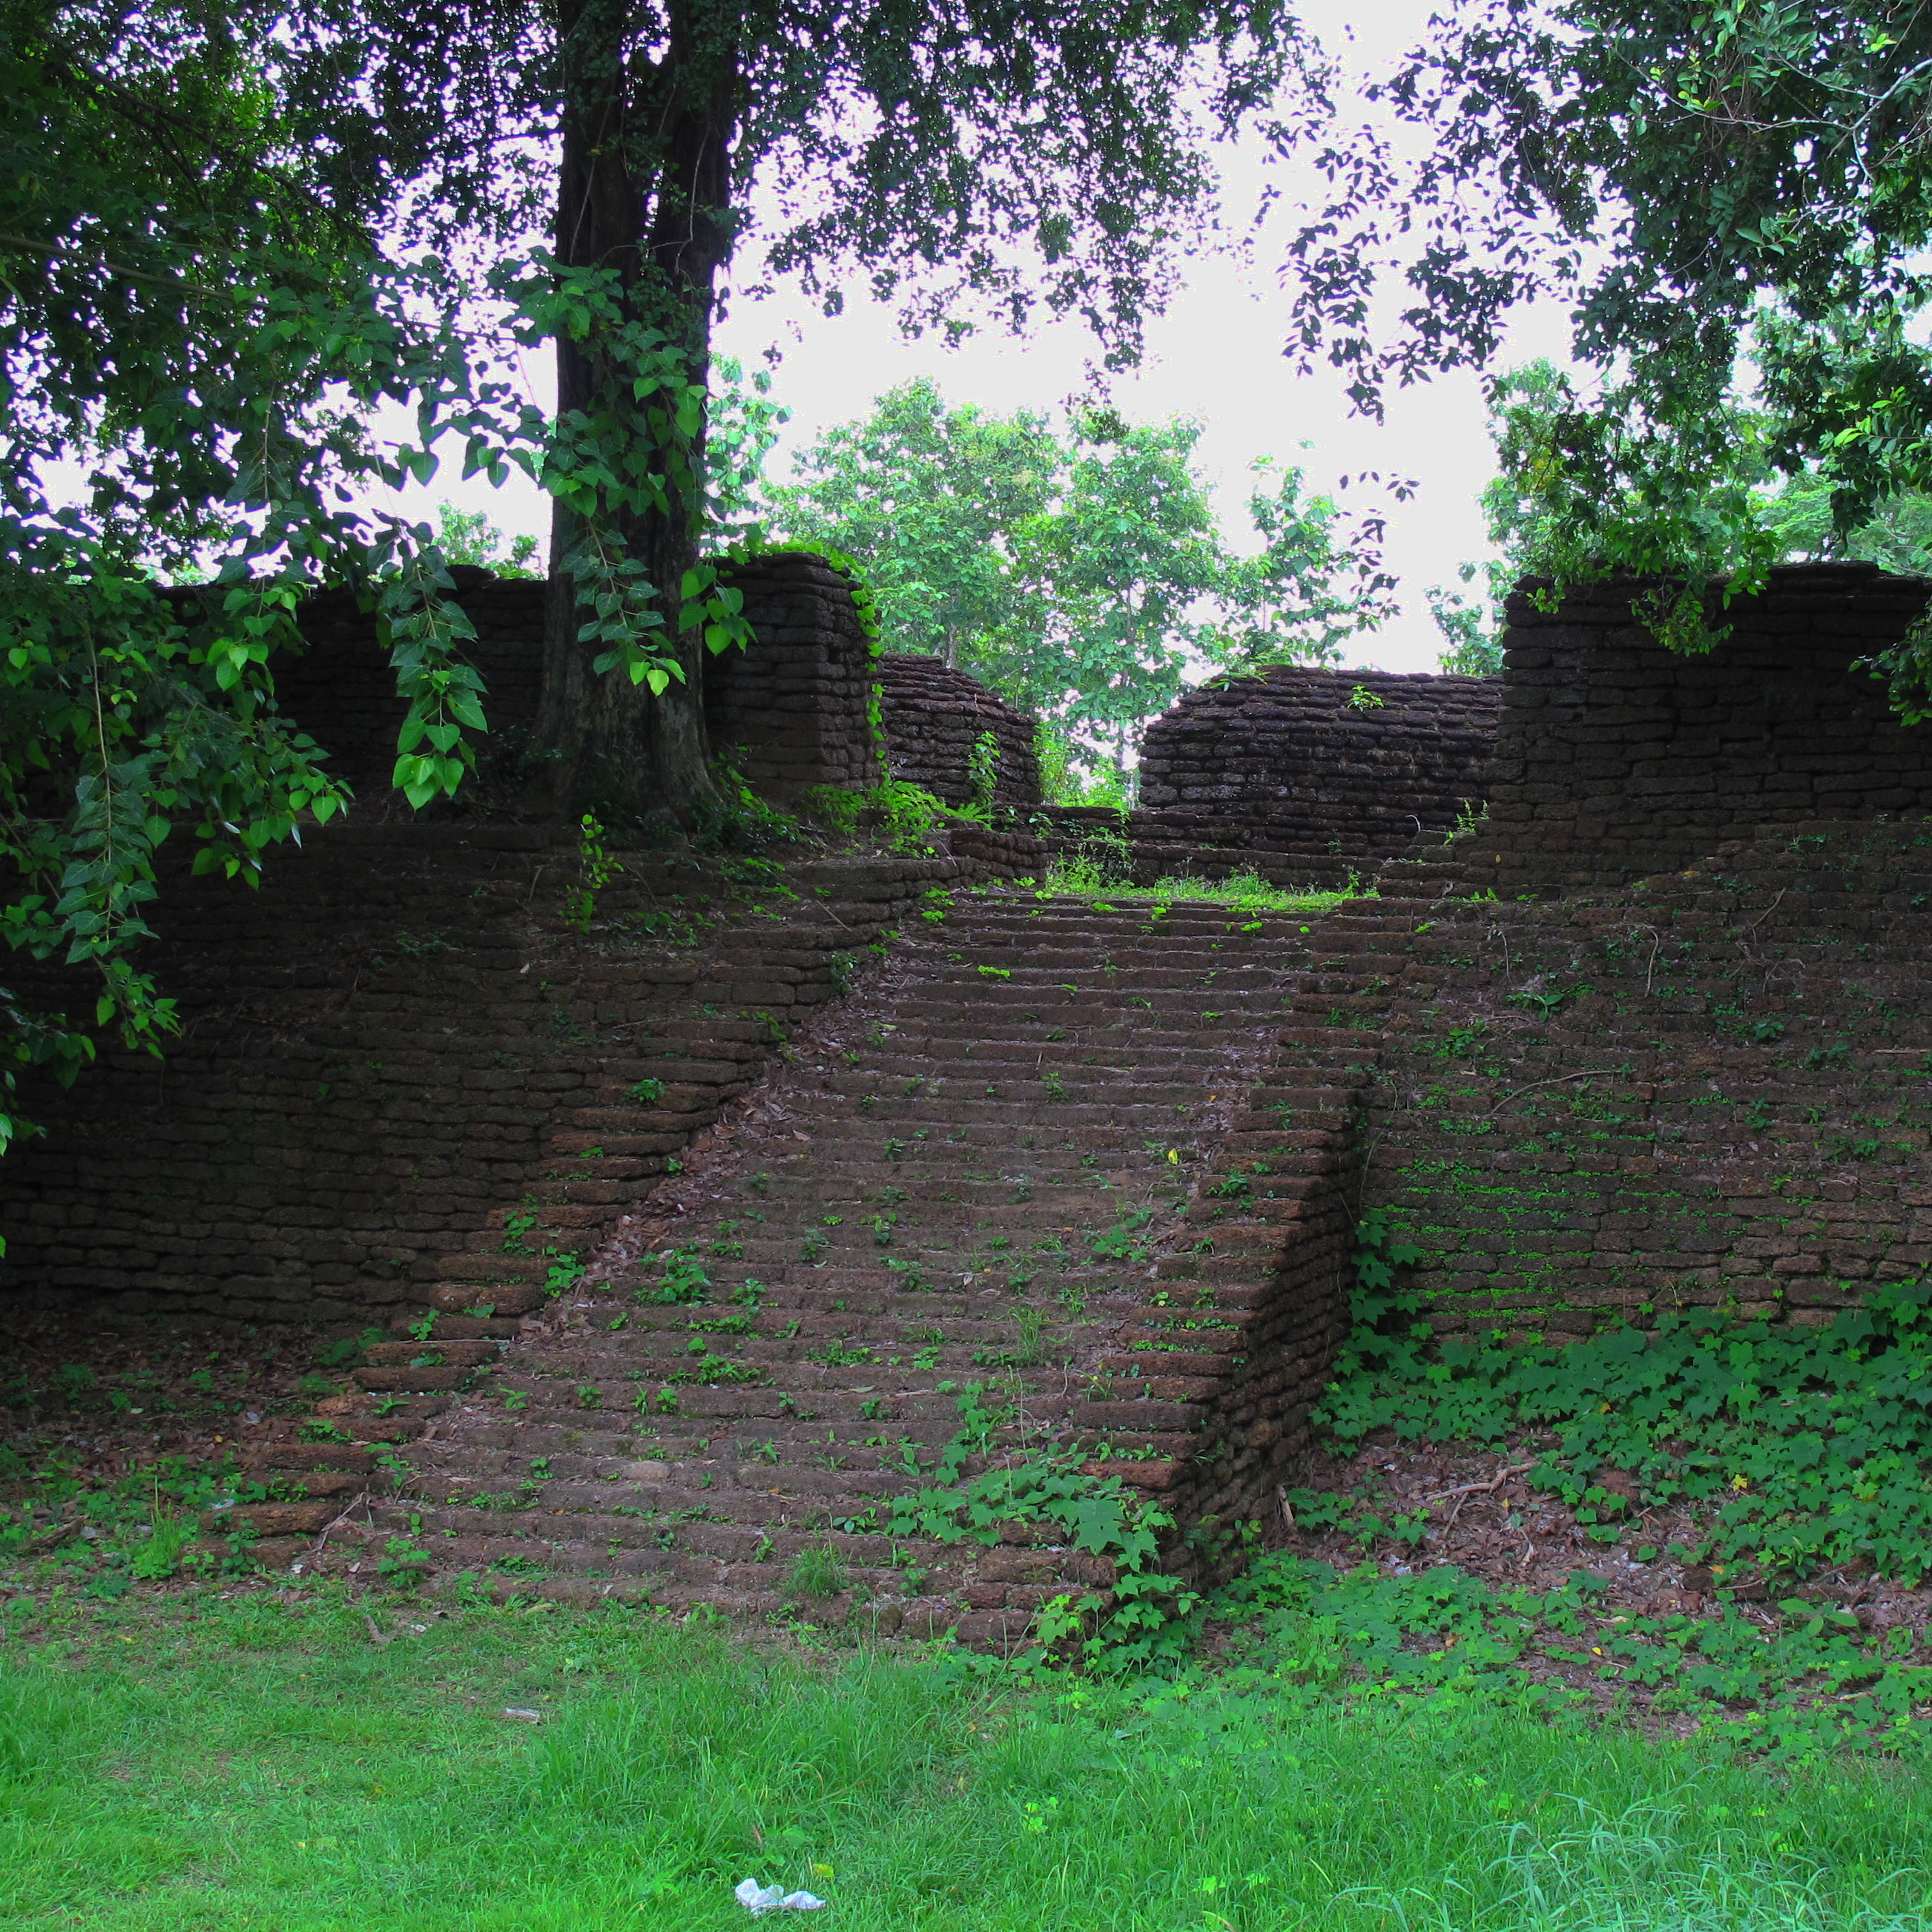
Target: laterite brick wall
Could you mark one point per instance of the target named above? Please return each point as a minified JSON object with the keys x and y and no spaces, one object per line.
{"x":933,"y":717}
{"x":395,"y":1042}
{"x":1278,"y":1263}
{"x":790,"y":711}
{"x":1616,"y":757}
{"x":1709,"y":1093}
{"x":1291,"y":774}
{"x":1655,"y":1036}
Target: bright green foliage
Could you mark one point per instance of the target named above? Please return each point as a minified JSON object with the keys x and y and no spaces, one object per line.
{"x":682,"y":1279}
{"x":907,"y":815}
{"x":1534,"y":516}
{"x":1807,"y":1442}
{"x":1078,"y":570}
{"x":1141,"y":1627}
{"x":1311,"y":587}
{"x":1131,"y":556}
{"x":1802,"y":1448}
{"x":1474,"y":649}
{"x":595,"y":868}
{"x":468,"y":536}
{"x":929,"y":501}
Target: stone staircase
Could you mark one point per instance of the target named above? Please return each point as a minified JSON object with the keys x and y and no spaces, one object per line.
{"x":1040,"y":1183}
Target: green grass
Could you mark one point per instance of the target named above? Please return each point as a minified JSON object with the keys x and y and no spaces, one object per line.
{"x":255,"y":1759}
{"x":1084,"y":876}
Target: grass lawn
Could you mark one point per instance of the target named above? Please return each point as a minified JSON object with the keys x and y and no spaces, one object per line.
{"x":214,"y":1757}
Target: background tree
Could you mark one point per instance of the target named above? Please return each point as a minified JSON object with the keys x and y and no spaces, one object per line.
{"x":1125,"y":565}
{"x":1312,"y":585}
{"x":468,"y":536}
{"x":1078,"y":570}
{"x":931,"y":501}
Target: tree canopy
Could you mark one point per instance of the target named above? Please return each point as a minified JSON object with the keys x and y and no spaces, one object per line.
{"x":1701,"y":182}
{"x":195,"y":323}
{"x":230,"y":238}
{"x":1076,"y":566}
{"x":1782,"y":518}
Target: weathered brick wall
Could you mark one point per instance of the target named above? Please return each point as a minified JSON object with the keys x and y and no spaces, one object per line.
{"x":1271,"y":1257}
{"x":790,"y":711}
{"x":793,"y":710}
{"x":1654,"y":1035}
{"x":395,"y":1042}
{"x":343,"y":692}
{"x":1709,"y":1093}
{"x":933,"y":717}
{"x":1282,"y":773}
{"x":1616,"y":757}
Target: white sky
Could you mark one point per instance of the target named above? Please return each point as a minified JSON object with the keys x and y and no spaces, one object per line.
{"x":1215,"y":355}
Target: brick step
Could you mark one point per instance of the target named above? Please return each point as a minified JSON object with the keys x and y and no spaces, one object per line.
{"x":1067,"y":1114}
{"x":622,"y":1545}
{"x":922,"y":1198}
{"x":806,"y":1390}
{"x":627,"y":1479}
{"x":1053,"y":998}
{"x":949,"y":1036}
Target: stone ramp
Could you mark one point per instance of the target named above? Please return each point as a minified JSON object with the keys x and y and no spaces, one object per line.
{"x":1049,"y":1181}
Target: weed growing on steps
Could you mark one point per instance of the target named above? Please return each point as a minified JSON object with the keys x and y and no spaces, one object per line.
{"x":682,"y":1279}
{"x":595,"y":869}
{"x":1085,"y":876}
{"x":1141,"y":1622}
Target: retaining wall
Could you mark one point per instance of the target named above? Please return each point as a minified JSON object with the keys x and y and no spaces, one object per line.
{"x":394,"y":1042}
{"x":1615,"y":757}
{"x":1308,"y":776}
{"x":1654,"y":1036}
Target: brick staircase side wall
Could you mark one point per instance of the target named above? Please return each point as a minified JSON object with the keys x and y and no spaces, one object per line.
{"x":387,"y":1048}
{"x":1254,"y":1430}
{"x":1616,"y":758}
{"x":933,"y":717}
{"x":1704,"y":1092}
{"x":1282,"y":773}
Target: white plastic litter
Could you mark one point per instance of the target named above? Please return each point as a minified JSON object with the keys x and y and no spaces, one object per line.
{"x":757,"y":1898}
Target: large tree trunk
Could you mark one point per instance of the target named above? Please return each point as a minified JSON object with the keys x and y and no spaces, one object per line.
{"x":644,"y":188}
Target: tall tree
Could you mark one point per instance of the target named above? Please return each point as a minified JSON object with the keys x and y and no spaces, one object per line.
{"x":1078,"y":569}
{"x":1313,"y":583}
{"x":981,"y":157}
{"x":1132,"y":555}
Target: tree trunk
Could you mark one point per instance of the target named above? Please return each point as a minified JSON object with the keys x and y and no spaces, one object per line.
{"x":644,"y":188}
